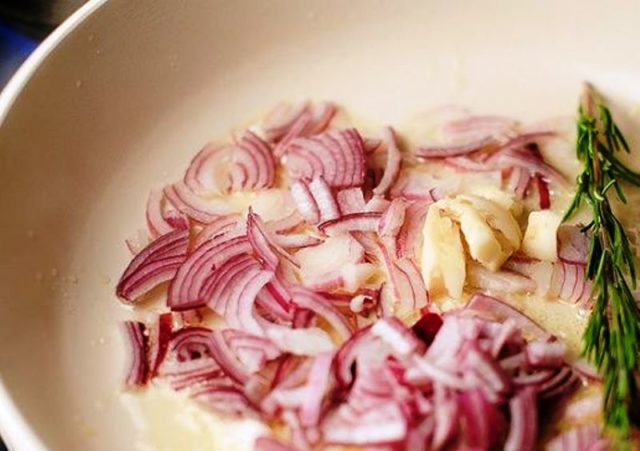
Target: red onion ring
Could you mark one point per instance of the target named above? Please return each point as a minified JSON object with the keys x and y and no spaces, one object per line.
{"x":392,"y":166}
{"x":138,"y":371}
{"x":362,"y":222}
{"x":155,"y":264}
{"x":337,"y":156}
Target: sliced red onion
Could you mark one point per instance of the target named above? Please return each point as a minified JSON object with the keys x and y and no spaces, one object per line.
{"x":303,"y":341}
{"x":159,"y":222}
{"x":350,"y":200}
{"x":138,"y":370}
{"x":217,"y":288}
{"x":337,"y":156}
{"x":253,"y":351}
{"x":264,"y":244}
{"x":474,"y":127}
{"x":455,"y":150}
{"x":202,"y":171}
{"x":468,"y":164}
{"x":392,"y":165}
{"x":467,"y":135}
{"x":155,"y":264}
{"x":490,"y":307}
{"x":569,"y":282}
{"x":361,"y":222}
{"x":240,"y":310}
{"x":524,"y":159}
{"x":420,"y":435}
{"x":305,"y":202}
{"x":482,"y":420}
{"x":536,"y":378}
{"x":322,"y":307}
{"x":324,"y":199}
{"x":504,"y":281}
{"x":255,"y":156}
{"x":331,"y":281}
{"x":382,"y":425}
{"x":416,"y":185}
{"x":317,"y":387}
{"x":348,"y":353}
{"x":217,"y":227}
{"x":371,"y":145}
{"x":287,"y":122}
{"x":586,"y":370}
{"x":246,"y":165}
{"x":397,"y":336}
{"x":296,"y":241}
{"x":236,"y":300}
{"x":507,"y":333}
{"x":528,"y":138}
{"x":225,"y":356}
{"x":377,"y":204}
{"x":518,"y":182}
{"x":543,"y":192}
{"x":221,"y":397}
{"x":446,"y":413}
{"x":563,"y":381}
{"x":427,"y":327}
{"x":185,"y":374}
{"x":393,"y":218}
{"x":238,"y":177}
{"x":286,"y":224}
{"x":190,"y":359}
{"x":411,"y":290}
{"x":189,"y":203}
{"x":573,"y":244}
{"x":159,"y":339}
{"x":409,"y":239}
{"x":321,"y":116}
{"x":424,"y":371}
{"x":489,"y":373}
{"x":186,"y":290}
{"x":545,"y":354}
{"x":271,"y":307}
{"x":281,"y":119}
{"x":524,"y":422}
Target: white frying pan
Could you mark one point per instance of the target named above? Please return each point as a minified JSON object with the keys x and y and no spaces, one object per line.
{"x":121,"y":95}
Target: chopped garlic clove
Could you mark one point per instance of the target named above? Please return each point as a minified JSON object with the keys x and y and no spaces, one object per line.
{"x":540,"y":237}
{"x":443,"y":262}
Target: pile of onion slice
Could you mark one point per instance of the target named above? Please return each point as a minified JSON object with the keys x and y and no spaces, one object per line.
{"x":453,"y":380}
{"x":489,"y":143}
{"x":306,"y":293}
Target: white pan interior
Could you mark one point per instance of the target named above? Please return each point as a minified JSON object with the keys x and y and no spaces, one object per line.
{"x":122,"y":102}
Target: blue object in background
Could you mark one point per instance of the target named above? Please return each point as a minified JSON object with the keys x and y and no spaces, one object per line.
{"x":14,"y":49}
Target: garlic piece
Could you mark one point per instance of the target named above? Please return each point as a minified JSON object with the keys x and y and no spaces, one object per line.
{"x":491,"y":232}
{"x":443,"y":262}
{"x":540,"y":240}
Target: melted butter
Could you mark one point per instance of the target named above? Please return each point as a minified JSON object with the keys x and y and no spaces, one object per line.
{"x":566,"y":321}
{"x":169,"y":421}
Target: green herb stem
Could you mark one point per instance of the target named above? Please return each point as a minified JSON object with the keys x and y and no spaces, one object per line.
{"x":612,"y":337}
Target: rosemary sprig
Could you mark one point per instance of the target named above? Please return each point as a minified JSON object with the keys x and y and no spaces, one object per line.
{"x":612,"y":336}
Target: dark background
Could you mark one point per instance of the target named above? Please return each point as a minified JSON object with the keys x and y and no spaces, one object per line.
{"x":23,"y":25}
